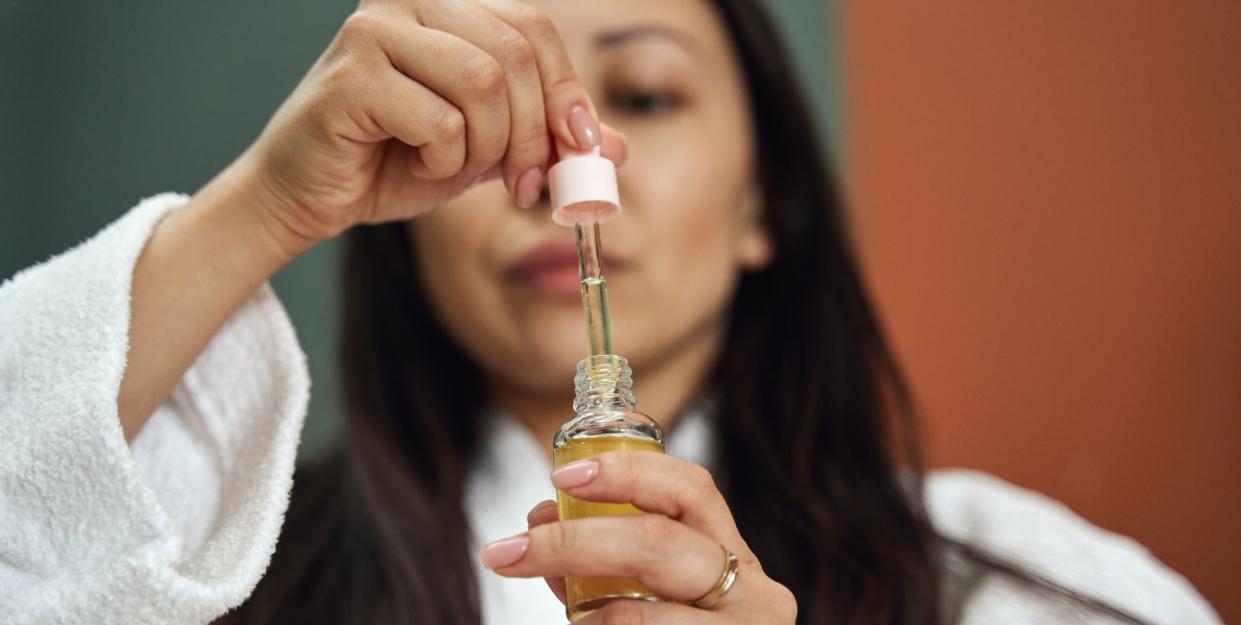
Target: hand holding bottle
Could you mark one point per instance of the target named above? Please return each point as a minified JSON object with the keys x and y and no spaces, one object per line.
{"x":674,"y":549}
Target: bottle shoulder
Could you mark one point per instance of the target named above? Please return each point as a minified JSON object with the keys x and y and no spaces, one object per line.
{"x":609,"y":423}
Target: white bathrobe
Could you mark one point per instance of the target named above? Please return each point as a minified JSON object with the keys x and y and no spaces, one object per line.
{"x":179,"y":527}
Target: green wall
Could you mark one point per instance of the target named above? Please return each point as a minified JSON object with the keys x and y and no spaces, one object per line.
{"x":103,"y":103}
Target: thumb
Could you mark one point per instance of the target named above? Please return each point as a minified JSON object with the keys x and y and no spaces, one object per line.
{"x":542,"y":514}
{"x":612,"y":147}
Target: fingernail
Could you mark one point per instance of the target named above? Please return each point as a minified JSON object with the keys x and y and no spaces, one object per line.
{"x":584,"y":127}
{"x":529,"y":187}
{"x":505,"y":552}
{"x":575,"y":473}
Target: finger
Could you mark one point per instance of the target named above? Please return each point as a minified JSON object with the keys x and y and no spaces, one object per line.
{"x":614,"y":146}
{"x":664,"y":613}
{"x":658,"y":483}
{"x":672,"y":559}
{"x":416,"y":116}
{"x":543,"y":514}
{"x":528,"y":143}
{"x":570,"y":113}
{"x":462,"y":74}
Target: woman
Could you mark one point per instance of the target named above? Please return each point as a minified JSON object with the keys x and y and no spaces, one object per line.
{"x":734,"y":296}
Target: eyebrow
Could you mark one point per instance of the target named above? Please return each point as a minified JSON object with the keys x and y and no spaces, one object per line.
{"x":626,"y":35}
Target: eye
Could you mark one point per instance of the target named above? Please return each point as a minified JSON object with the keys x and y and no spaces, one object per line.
{"x":642,"y":103}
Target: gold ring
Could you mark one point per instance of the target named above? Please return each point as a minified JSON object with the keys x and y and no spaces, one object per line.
{"x":727,"y":579}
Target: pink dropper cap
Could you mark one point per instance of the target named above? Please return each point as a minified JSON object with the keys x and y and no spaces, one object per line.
{"x":582,"y":186}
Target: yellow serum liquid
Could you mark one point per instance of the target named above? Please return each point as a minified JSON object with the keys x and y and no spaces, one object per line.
{"x":584,"y":594}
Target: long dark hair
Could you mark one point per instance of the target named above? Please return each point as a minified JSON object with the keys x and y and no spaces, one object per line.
{"x":806,"y":394}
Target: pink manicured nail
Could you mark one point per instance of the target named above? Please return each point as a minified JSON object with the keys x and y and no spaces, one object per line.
{"x":505,"y":552}
{"x":575,"y":473}
{"x":529,"y":188}
{"x":584,"y":127}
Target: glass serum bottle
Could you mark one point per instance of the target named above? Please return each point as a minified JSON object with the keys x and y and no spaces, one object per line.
{"x":584,"y":194}
{"x":605,"y":420}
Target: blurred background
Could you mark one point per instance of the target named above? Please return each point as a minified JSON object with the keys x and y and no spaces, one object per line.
{"x":1046,"y":197}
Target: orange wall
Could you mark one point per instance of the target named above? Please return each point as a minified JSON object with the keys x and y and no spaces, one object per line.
{"x":1049,"y":201}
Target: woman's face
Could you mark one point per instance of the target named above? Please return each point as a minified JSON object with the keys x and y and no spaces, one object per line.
{"x":504,"y":281}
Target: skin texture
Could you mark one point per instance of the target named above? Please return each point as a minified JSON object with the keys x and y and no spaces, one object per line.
{"x":448,"y":112}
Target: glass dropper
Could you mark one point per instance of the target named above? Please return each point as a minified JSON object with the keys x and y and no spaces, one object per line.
{"x":594,"y":288}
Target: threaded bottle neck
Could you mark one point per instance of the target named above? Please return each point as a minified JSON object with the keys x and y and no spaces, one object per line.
{"x":603,"y":382}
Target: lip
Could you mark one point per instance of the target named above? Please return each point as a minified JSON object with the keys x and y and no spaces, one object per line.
{"x":551,"y":268}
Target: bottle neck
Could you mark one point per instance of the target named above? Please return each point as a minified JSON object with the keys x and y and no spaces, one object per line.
{"x":603,"y":382}
{"x":605,"y":406}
